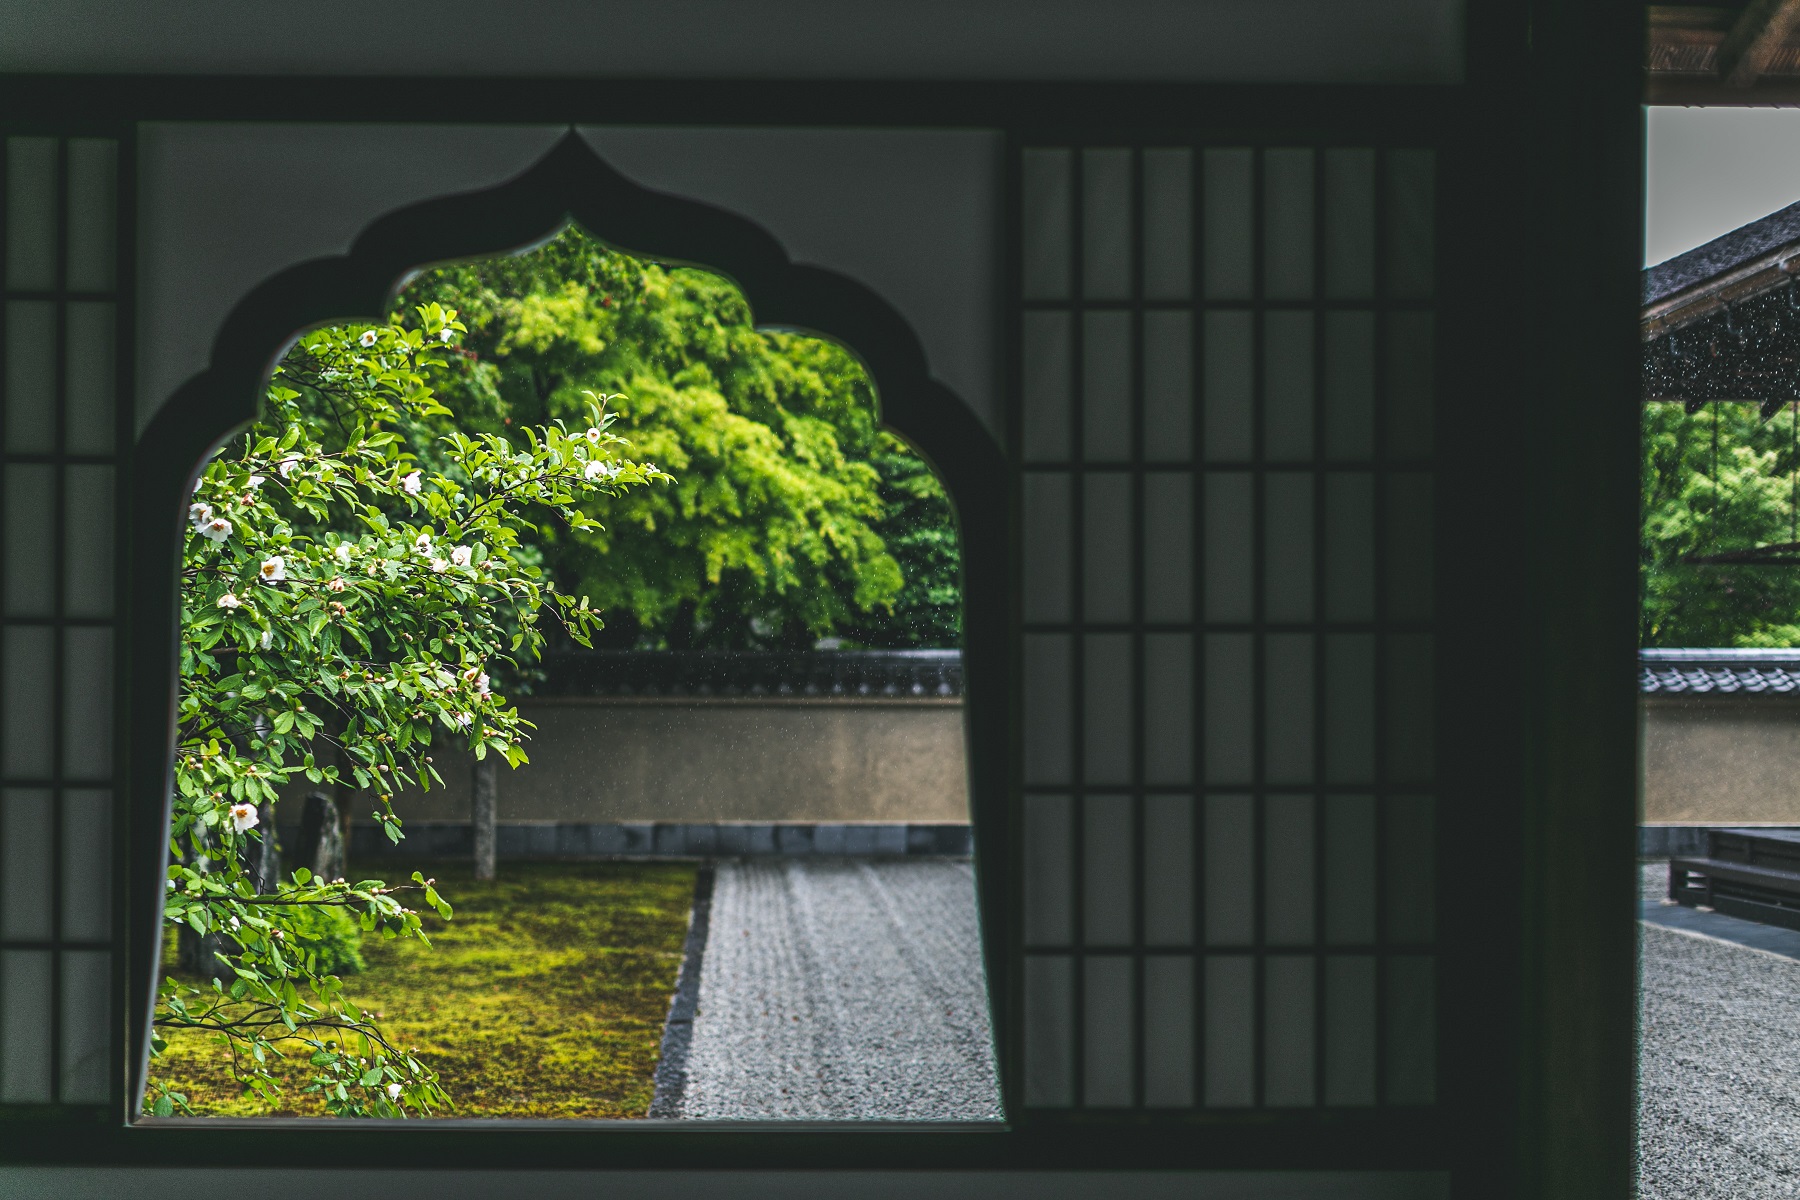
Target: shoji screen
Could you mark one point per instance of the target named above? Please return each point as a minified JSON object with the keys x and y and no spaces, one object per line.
{"x":1223,"y":429}
{"x":60,"y":440}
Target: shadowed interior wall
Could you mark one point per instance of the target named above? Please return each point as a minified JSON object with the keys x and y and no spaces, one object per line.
{"x":720,"y":760}
{"x":1720,"y":761}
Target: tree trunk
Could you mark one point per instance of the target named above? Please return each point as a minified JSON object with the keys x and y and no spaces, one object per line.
{"x":320,"y":847}
{"x":484,"y":797}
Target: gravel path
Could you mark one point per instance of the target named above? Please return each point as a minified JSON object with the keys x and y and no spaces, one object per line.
{"x":841,"y":989}
{"x":1718,"y":1067}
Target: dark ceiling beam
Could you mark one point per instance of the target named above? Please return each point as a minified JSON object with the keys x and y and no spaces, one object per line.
{"x":1759,"y":33}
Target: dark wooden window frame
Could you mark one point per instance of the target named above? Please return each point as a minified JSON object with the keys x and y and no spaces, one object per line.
{"x":1498,"y":1062}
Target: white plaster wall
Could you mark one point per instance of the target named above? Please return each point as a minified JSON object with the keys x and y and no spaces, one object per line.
{"x":1326,"y":41}
{"x":1720,"y":761}
{"x":223,"y":206}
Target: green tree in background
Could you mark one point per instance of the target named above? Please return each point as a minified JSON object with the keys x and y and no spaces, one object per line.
{"x":1702,"y":496}
{"x":794,"y":517}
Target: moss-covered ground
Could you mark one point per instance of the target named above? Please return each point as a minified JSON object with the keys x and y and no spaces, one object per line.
{"x":544,"y":996}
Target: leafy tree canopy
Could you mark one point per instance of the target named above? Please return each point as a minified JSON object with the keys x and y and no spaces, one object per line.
{"x":793,"y":517}
{"x":1719,"y":480}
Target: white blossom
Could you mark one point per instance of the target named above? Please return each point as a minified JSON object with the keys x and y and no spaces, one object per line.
{"x":343,"y":552}
{"x":368,"y":338}
{"x":440,"y":565}
{"x":273,"y":570}
{"x":243,"y":816}
{"x":444,"y":335}
{"x":393,"y":1089}
{"x":255,"y":482}
{"x":593,"y":435}
{"x":423,"y":543}
{"x":597,"y":469}
{"x":464,"y":720}
{"x":286,"y":465}
{"x":230,"y":601}
{"x":268,"y":637}
{"x":411,"y":482}
{"x":460,"y":556}
{"x":200,"y":514}
{"x":481,"y":687}
{"x":216,"y":528}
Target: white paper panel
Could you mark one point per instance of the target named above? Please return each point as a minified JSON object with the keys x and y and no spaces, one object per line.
{"x":1169,"y":870}
{"x":1048,"y":718}
{"x":1349,"y":708}
{"x":1410,"y":1009}
{"x":1410,"y":872}
{"x":89,"y":378}
{"x":1106,"y":869}
{"x":1048,"y":547}
{"x":1349,"y":385}
{"x":1168,"y":546}
{"x":1348,"y":259}
{"x":1227,"y":715}
{"x":1049,"y":870}
{"x":1168,"y":386}
{"x":30,"y":377}
{"x":1168,"y":1031}
{"x":1168,"y":223}
{"x":93,"y":207}
{"x":1349,"y":870}
{"x":1349,"y":546}
{"x":86,"y":1015}
{"x":1106,"y":566}
{"x":1287,"y":224}
{"x":1230,"y":870}
{"x":1107,"y":709}
{"x":1228,"y":234}
{"x":27,"y":832}
{"x":87,"y":869}
{"x":1230,"y":1032}
{"x":1410,"y":202}
{"x":1409,"y":365}
{"x":1045,"y":182}
{"x":1410,"y":530}
{"x":25,"y":1027}
{"x":1288,"y":847}
{"x":1229,"y":580}
{"x":1288,"y":546}
{"x":1168,"y":708}
{"x":1288,"y":1032}
{"x":1409,"y":687}
{"x":1106,"y":387}
{"x":1049,"y":987}
{"x":1046,"y":373}
{"x":31,"y":213}
{"x":87,"y":541}
{"x":26,"y":663}
{"x":1288,"y":708}
{"x":1227,"y":401}
{"x":1106,"y":224}
{"x":1288,"y":399}
{"x":1349,"y":1030}
{"x":87,"y":703}
{"x":30,"y":533}
{"x":1109,"y":1009}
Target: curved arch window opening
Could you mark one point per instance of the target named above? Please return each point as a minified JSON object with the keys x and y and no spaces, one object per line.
{"x":764,"y":740}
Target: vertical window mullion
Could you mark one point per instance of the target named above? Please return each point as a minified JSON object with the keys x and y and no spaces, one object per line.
{"x":1258,"y":641}
{"x":1078,"y":619}
{"x":1320,"y":682}
{"x":58,"y":569}
{"x":1378,"y":724}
